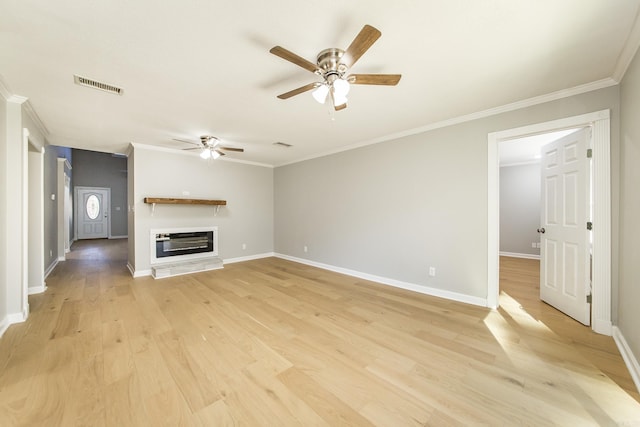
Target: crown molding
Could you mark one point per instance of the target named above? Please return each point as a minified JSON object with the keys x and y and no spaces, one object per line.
{"x":134,"y":145}
{"x":28,"y":108}
{"x":628,"y":51}
{"x":553,"y":96}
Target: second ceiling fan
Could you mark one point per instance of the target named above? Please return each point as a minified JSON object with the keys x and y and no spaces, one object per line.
{"x":332,"y":65}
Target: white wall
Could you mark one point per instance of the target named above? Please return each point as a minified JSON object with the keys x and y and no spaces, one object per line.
{"x":248,"y":189}
{"x":629,"y":290}
{"x":394,"y":209}
{"x":519,"y":208}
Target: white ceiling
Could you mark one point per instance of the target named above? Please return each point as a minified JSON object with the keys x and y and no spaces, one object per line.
{"x":528,"y":149}
{"x":195,"y":67}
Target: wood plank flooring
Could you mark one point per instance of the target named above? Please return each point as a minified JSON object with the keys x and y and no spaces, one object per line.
{"x":272,"y":342}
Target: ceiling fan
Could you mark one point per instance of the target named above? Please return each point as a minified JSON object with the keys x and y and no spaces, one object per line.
{"x":211,"y":147}
{"x":332,"y":65}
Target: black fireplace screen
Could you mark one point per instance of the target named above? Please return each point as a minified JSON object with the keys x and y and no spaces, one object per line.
{"x":174,"y":244}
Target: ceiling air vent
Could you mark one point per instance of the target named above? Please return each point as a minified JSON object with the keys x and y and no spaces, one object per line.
{"x":282,"y":144}
{"x":83,"y":81}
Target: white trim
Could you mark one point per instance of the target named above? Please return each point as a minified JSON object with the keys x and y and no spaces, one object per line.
{"x":37,"y":289}
{"x":628,"y":356}
{"x":4,"y":324}
{"x":518,"y":255}
{"x":248,"y":258}
{"x":454,"y":296}
{"x":140,"y":273}
{"x":529,"y":162}
{"x":628,"y":51}
{"x":53,"y":265}
{"x":600,"y":122}
{"x":28,"y":108}
{"x":118,"y":237}
{"x":553,"y":96}
{"x":16,"y":318}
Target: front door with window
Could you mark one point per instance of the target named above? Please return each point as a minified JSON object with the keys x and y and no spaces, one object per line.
{"x":92,"y":212}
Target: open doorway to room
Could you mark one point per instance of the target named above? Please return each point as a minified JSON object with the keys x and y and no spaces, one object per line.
{"x":599,"y":123}
{"x":535,"y":172}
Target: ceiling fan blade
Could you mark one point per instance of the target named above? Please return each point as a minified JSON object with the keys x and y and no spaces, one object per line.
{"x":299,"y":90}
{"x":374,"y":79}
{"x":340,"y":107}
{"x":186,"y":141}
{"x":194,"y":148}
{"x":292,"y":57}
{"x":238,"y":150}
{"x":219,"y":152}
{"x":363,"y":41}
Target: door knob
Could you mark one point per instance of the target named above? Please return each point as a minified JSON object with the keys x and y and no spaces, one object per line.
{"x":541,"y":230}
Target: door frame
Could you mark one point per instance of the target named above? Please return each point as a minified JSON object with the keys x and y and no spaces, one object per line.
{"x":599,"y":121}
{"x":76,"y":207}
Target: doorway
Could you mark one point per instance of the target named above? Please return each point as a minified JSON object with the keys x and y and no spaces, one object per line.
{"x":601,"y":278}
{"x":545,"y":199}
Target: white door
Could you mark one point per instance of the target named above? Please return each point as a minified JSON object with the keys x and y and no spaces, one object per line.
{"x":92,"y":212}
{"x":564,"y":249}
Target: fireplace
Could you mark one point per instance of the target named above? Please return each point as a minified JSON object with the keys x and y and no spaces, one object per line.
{"x":183,"y":244}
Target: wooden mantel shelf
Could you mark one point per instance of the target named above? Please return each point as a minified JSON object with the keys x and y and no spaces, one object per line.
{"x":171,"y":201}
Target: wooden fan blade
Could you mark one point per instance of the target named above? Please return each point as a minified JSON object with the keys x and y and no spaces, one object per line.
{"x":194,"y":148}
{"x":219,"y":152}
{"x":340,"y":107}
{"x":238,"y":150}
{"x":299,"y":90}
{"x":292,"y":57}
{"x":374,"y":79}
{"x":187,"y":142}
{"x":363,"y":41}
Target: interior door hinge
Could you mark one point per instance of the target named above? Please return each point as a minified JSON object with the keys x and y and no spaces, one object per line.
{"x":589,"y":299}
{"x":589,"y":153}
{"x":589,"y":225}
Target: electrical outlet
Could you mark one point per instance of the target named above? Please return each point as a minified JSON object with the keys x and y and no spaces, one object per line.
{"x":244,"y":246}
{"x":50,"y":253}
{"x":432,"y":271}
{"x":533,"y":244}
{"x":305,"y":249}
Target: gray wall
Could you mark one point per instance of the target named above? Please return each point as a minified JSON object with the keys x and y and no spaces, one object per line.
{"x":94,"y":169}
{"x":519,"y":208}
{"x":248,"y":190}
{"x":396,"y":208}
{"x":629,"y":290}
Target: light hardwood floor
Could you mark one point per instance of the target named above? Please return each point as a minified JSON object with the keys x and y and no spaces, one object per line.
{"x":272,"y":342}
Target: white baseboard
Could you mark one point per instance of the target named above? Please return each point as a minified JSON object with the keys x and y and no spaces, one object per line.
{"x":50,"y":268}
{"x":32,"y":290}
{"x":10,"y":319}
{"x":628,"y":356}
{"x":140,"y":273}
{"x":119,"y":237}
{"x":248,"y":258}
{"x":454,"y":296}
{"x":517,"y":255}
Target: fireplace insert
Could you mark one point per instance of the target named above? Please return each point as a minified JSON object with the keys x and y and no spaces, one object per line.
{"x":182,"y":244}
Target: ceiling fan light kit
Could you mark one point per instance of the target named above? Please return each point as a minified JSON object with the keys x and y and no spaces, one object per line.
{"x":332,"y":65}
